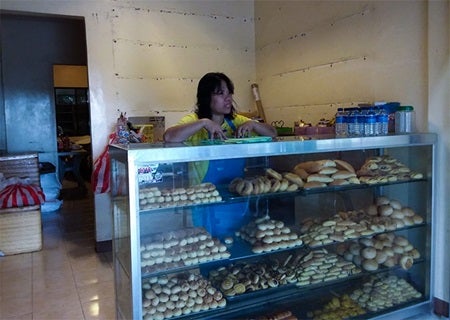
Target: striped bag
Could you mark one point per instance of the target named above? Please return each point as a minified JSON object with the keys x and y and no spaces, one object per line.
{"x":21,"y":195}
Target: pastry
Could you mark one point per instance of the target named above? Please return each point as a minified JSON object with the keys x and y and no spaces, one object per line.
{"x":272,"y":173}
{"x":292,"y":177}
{"x":344,"y":165}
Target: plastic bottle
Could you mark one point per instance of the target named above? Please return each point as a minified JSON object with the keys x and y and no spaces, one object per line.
{"x":340,"y":124}
{"x":355,"y":124}
{"x":404,"y":119}
{"x":382,"y":122}
{"x":370,"y":122}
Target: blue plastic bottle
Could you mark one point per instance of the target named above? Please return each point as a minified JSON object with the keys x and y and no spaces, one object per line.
{"x":340,"y":124}
{"x":354,"y":120}
{"x":382,"y":122}
{"x":370,"y":122}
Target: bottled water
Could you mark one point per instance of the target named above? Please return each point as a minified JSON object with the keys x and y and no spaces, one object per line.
{"x":382,"y":122}
{"x":370,"y":122}
{"x":340,"y":124}
{"x":355,"y":124}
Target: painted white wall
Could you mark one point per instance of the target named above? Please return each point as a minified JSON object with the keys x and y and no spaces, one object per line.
{"x":313,"y":56}
{"x":439,"y":121}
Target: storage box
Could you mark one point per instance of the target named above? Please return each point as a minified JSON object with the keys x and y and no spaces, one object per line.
{"x":20,"y":228}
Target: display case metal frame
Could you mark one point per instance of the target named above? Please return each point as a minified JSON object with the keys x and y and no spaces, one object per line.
{"x":126,"y":158}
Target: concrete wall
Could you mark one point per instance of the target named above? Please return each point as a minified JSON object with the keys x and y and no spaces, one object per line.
{"x":328,"y":54}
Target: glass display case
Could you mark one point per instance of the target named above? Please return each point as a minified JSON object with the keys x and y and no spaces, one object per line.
{"x":293,"y":228}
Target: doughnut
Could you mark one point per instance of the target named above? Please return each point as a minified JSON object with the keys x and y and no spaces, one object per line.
{"x":292,"y":177}
{"x":275,"y":185}
{"x":233,"y":184}
{"x":406,"y":262}
{"x":272,"y":173}
{"x":247,"y":189}
{"x":284,"y":185}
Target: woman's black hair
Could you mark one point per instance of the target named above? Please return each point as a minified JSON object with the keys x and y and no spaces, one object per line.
{"x":211,"y":83}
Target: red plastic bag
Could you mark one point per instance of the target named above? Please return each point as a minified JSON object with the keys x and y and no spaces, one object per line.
{"x":100,"y":178}
{"x":21,"y":195}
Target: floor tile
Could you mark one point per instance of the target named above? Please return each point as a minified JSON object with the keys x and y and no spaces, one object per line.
{"x":96,"y":291}
{"x":16,"y":283}
{"x":103,"y":309}
{"x":14,"y":307}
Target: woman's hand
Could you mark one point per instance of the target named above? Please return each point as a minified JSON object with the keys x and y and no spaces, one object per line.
{"x":214,"y":129}
{"x":260,"y":128}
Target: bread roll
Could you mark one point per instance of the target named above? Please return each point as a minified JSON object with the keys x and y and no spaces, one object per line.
{"x":343,"y":165}
{"x":370,"y":265}
{"x":328,"y":170}
{"x":339,"y":182}
{"x":343,"y":174}
{"x":301,"y":172}
{"x":326,"y":163}
{"x":314,"y":184}
{"x":292,"y":177}
{"x":309,"y":166}
{"x":319,"y":178}
{"x":272,"y":173}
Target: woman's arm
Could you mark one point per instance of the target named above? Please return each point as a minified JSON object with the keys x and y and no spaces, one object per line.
{"x":260,"y":128}
{"x":182,"y":132}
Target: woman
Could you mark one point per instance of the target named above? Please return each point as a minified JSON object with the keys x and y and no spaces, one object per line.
{"x":216,"y":118}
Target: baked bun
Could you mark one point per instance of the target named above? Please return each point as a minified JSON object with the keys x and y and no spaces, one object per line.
{"x":343,"y":174}
{"x":344,"y":165}
{"x":319,"y":178}
{"x":314,"y":184}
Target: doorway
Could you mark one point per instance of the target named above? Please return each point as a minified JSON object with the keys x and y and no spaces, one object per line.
{"x":31,"y":45}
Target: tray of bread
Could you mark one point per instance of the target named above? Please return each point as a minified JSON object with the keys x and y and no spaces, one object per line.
{"x":178,"y":249}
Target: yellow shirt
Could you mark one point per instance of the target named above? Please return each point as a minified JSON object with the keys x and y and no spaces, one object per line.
{"x":203,"y":133}
{"x":198,"y":169}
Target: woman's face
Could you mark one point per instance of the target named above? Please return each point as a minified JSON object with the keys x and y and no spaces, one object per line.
{"x":221,"y":100}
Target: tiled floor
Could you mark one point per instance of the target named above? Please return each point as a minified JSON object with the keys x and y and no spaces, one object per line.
{"x":67,"y":279}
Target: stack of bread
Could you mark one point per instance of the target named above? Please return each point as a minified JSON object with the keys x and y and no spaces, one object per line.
{"x":266,"y":234}
{"x":244,"y":277}
{"x":384,"y":169}
{"x":271,"y":182}
{"x":180,"y":248}
{"x":380,"y":293}
{"x":338,"y":308}
{"x":322,"y":266}
{"x":386,"y":249}
{"x":166,"y":297}
{"x":279,"y":315}
{"x":322,"y":173}
{"x":383,"y":215}
{"x":153,"y":197}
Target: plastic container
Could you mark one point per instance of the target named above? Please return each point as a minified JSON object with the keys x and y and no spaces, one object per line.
{"x":340,"y":124}
{"x":355,"y":123}
{"x":382,"y":122}
{"x":405,"y":119}
{"x":370,"y":122}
